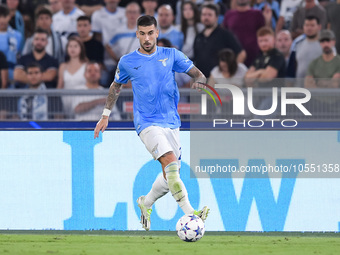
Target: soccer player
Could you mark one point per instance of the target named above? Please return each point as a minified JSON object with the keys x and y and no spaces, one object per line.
{"x":151,"y":71}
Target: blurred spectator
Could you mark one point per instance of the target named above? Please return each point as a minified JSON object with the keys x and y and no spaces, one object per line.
{"x":213,"y":39}
{"x":71,"y":73}
{"x":150,"y":7}
{"x":228,"y":68}
{"x":190,"y":27}
{"x":65,"y":21}
{"x":305,"y":48}
{"x":3,"y":71}
{"x":167,"y":29}
{"x":48,"y":64}
{"x":179,"y":8}
{"x":55,"y":6}
{"x":89,"y":6}
{"x":10,"y":40}
{"x":310,"y":8}
{"x":283,"y":42}
{"x":33,"y":107}
{"x":244,"y":23}
{"x":182,"y":79}
{"x":94,"y":49}
{"x":90,"y":107}
{"x":56,"y":44}
{"x":104,"y":30}
{"x":325,"y":66}
{"x":125,"y":39}
{"x":273,"y":7}
{"x":16,"y":21}
{"x":333,"y":16}
{"x":287,"y":9}
{"x":270,"y":64}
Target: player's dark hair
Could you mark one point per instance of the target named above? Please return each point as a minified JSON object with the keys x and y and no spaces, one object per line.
{"x":228,"y":56}
{"x":33,"y":65}
{"x":146,"y":20}
{"x":84,"y":18}
{"x":42,"y":11}
{"x":213,"y":7}
{"x":4,"y":11}
{"x":312,"y":17}
{"x":41,"y":31}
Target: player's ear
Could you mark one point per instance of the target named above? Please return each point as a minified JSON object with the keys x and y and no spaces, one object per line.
{"x":137,"y":34}
{"x":157,"y":33}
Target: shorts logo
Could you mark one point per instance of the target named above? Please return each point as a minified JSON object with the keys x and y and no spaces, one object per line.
{"x":163,"y":61}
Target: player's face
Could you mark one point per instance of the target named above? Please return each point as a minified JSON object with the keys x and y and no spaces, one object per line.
{"x":283,"y":42}
{"x":311,"y":28}
{"x":39,"y":42}
{"x":92,"y":73}
{"x":147,"y":38}
{"x":34,"y":76}
{"x":208,"y":18}
{"x":266,"y":42}
{"x":44,"y":21}
{"x":83,"y":28}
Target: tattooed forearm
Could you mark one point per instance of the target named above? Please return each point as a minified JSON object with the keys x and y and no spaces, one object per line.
{"x":197,"y":75}
{"x":113,"y":95}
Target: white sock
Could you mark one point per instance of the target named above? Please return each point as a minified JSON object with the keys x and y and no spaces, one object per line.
{"x":159,"y":189}
{"x":177,"y":188}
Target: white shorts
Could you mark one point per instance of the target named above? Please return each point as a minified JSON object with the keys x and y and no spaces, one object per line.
{"x":159,"y":140}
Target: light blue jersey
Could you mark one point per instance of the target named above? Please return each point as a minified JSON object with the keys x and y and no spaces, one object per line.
{"x":155,"y":92}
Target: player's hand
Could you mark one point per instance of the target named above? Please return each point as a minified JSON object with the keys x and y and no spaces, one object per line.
{"x":198,"y":85}
{"x":101,"y":126}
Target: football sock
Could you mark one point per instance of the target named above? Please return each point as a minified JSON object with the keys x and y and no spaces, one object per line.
{"x":177,"y":188}
{"x":159,"y":189}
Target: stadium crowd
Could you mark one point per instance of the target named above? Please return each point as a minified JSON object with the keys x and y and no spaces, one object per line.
{"x":75,"y":44}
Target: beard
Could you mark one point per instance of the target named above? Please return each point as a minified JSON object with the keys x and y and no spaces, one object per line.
{"x":39,"y":50}
{"x":311,"y":36}
{"x":327,"y":50}
{"x":150,"y":49}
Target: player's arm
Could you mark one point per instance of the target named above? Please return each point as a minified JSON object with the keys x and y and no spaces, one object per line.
{"x":198,"y":76}
{"x":111,"y":99}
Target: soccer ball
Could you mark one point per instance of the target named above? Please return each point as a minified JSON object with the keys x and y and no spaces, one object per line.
{"x":190,"y":228}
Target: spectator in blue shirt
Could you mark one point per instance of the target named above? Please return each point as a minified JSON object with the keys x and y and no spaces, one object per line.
{"x":166,"y":28}
{"x":10,"y":40}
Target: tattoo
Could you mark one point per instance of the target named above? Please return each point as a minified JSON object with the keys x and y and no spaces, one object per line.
{"x":114,"y":92}
{"x":197,"y":75}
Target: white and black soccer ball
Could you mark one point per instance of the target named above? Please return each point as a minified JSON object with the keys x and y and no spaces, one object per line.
{"x":190,"y":228}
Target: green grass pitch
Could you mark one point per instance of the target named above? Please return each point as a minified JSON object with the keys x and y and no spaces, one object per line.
{"x":163,"y":242}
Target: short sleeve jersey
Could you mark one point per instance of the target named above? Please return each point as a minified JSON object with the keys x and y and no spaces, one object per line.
{"x":155,"y":91}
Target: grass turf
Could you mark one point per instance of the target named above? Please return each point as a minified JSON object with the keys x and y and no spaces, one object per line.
{"x":107,"y":242}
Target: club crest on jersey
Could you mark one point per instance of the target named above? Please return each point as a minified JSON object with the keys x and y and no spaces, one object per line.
{"x":163,"y":61}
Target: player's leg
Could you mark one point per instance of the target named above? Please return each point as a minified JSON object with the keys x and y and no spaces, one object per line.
{"x":151,"y":137}
{"x":176,"y":186}
{"x":173,"y":139}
